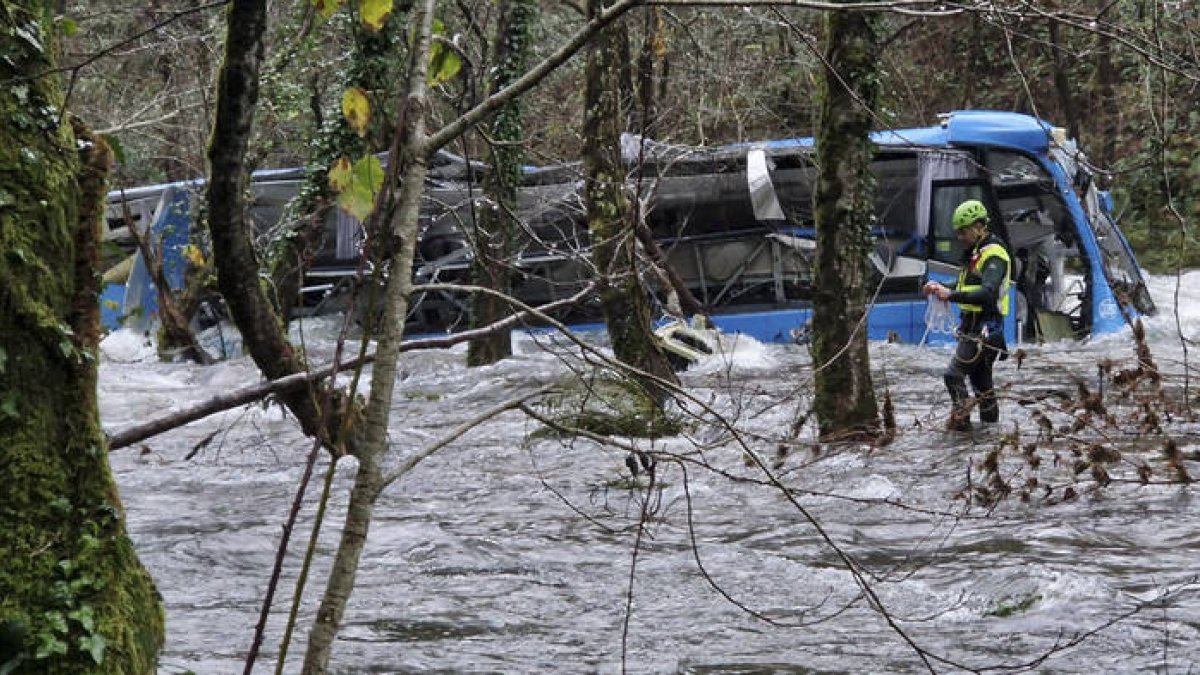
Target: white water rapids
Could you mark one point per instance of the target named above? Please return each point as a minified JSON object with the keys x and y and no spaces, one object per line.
{"x":506,"y":553}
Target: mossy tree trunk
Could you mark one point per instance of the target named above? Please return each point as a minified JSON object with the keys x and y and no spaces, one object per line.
{"x":497,"y":229}
{"x":73,"y":596}
{"x":622,"y":298}
{"x":843,"y":202}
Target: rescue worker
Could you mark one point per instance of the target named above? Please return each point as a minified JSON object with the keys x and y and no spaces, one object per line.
{"x":983,"y":299}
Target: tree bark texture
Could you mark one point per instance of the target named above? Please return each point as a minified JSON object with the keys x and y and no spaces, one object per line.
{"x":843,"y":203}
{"x":496,"y":227}
{"x":409,"y":150}
{"x":236,"y":261}
{"x":1062,"y":81}
{"x":623,"y":301}
{"x":74,"y":598}
{"x":651,"y":70}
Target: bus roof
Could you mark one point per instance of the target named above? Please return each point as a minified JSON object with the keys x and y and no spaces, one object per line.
{"x":958,"y":129}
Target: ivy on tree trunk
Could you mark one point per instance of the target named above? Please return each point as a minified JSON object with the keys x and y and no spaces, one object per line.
{"x":74,"y":598}
{"x":496,"y":228}
{"x":843,"y":203}
{"x":375,"y":66}
{"x":622,"y":298}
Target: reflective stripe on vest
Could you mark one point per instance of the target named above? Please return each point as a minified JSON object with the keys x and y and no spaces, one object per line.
{"x":985,"y":254}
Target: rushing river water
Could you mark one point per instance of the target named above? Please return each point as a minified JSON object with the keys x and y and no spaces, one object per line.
{"x":506,"y":552}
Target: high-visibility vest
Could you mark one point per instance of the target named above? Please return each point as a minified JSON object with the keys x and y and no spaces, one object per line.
{"x":970,"y":278}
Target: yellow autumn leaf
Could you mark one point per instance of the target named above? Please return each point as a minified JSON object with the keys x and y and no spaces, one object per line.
{"x":194,"y":255}
{"x":327,"y":7}
{"x":356,"y":109}
{"x":366,"y":179}
{"x":339,"y":174}
{"x":375,"y":12}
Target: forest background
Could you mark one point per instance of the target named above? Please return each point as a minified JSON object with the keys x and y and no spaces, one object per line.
{"x":1119,"y":75}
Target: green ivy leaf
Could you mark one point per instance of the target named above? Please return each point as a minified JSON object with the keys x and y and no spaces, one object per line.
{"x":86,"y":618}
{"x":3,"y":356}
{"x":357,"y":185}
{"x":88,"y":543}
{"x":49,"y":645}
{"x":94,"y":645}
{"x":444,"y":63}
{"x":57,"y":622}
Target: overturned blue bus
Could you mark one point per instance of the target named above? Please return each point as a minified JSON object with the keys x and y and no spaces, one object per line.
{"x":735,"y":225}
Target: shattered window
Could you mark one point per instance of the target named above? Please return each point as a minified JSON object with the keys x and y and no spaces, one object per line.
{"x":1008,"y":168}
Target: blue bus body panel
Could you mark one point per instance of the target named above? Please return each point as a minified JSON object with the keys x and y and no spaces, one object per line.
{"x":783,"y":325}
{"x":111,"y":300}
{"x":902,"y":319}
{"x":1106,"y":311}
{"x":138,"y":305}
{"x":985,"y":128}
{"x":962,"y":128}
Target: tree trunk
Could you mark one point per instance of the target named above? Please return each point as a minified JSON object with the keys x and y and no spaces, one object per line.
{"x":843,"y":203}
{"x":650,"y":74}
{"x":409,"y":152}
{"x":74,"y":597}
{"x":1105,"y":115}
{"x":237,"y":265}
{"x":496,"y":228}
{"x":174,"y":332}
{"x":1062,"y":81}
{"x":409,"y":160}
{"x":623,"y":301}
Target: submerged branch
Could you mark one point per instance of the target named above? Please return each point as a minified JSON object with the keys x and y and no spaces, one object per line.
{"x":141,"y":432}
{"x":411,"y":463}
